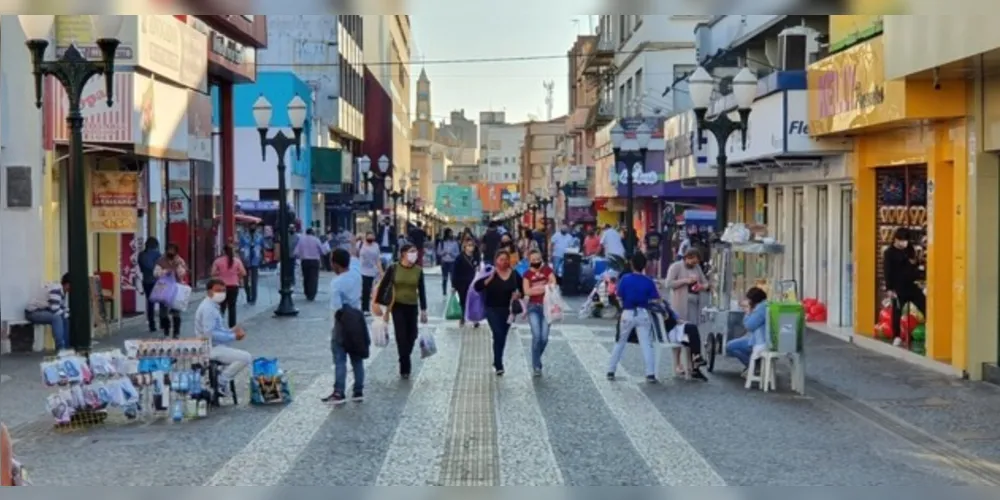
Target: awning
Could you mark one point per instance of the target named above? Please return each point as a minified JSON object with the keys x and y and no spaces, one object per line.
{"x":675,"y":191}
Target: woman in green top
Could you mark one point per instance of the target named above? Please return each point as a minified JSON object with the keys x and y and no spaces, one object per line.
{"x":408,"y":293}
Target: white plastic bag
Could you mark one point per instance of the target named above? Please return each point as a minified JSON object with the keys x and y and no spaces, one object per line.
{"x":554,"y":305}
{"x":182,"y":298}
{"x":428,"y":347}
{"x":379,"y":332}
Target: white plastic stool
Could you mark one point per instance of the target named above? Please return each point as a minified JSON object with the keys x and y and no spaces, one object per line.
{"x":766,"y":379}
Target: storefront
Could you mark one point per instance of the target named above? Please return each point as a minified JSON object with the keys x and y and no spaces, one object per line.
{"x":909,"y":169}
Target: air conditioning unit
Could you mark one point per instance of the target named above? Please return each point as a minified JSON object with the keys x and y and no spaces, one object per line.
{"x":795,"y":46}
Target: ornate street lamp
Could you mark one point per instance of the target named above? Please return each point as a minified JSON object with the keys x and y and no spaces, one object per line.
{"x":395,"y":195}
{"x":700,"y":86}
{"x":73,"y":71}
{"x":262,"y":112}
{"x":375,"y":179}
{"x":620,"y":143}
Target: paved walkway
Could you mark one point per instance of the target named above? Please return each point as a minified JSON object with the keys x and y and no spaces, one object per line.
{"x":865,"y":421}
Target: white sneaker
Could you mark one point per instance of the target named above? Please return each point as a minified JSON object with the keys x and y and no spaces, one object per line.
{"x":897,"y":342}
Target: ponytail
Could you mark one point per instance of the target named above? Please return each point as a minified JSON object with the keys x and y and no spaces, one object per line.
{"x":228,"y":250}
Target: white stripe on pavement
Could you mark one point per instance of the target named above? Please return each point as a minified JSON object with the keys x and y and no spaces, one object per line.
{"x":414,"y":457}
{"x":266,"y":459}
{"x":525,"y":450}
{"x":671,"y":457}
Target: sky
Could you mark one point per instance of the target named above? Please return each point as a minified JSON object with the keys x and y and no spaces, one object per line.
{"x":478,"y":30}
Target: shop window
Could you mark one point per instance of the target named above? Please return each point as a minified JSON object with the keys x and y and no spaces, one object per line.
{"x":822,"y":240}
{"x":847,"y":256}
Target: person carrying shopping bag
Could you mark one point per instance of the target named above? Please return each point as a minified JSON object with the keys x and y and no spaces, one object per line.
{"x":466,"y":267}
{"x":536,"y":281}
{"x":402,"y":295}
{"x":231,"y":271}
{"x":170,"y":266}
{"x":637,"y":292}
{"x":502,"y":286}
{"x":370,"y":258}
{"x":687,"y":284}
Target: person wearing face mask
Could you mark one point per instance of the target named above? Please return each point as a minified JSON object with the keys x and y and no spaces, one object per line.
{"x":561,"y":242}
{"x":230,"y":270}
{"x":252,"y":252}
{"x":370,"y":258}
{"x":502,"y":286}
{"x":208,"y":324}
{"x":507,"y":244}
{"x":466,"y":267}
{"x":901,"y":271}
{"x":538,"y":277}
{"x":686,"y":282}
{"x":408,"y":293}
{"x":447,"y":253}
{"x":173,"y":265}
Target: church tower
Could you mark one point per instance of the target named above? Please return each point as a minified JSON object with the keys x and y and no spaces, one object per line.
{"x":423,"y":126}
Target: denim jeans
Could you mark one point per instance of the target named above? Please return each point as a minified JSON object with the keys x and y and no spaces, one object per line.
{"x":740,"y":349}
{"x":340,"y":358}
{"x":640,"y":320}
{"x":539,"y":333}
{"x":446,"y":269}
{"x":58,"y":322}
{"x":497,"y":317}
{"x":557,"y":265}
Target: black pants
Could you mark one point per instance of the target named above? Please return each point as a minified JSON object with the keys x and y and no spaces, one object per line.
{"x":694,"y":340}
{"x":405,"y":324}
{"x":250,"y":284}
{"x":462,"y":289}
{"x":310,"y":278}
{"x":367,"y":282}
{"x":446,"y":270}
{"x":913,"y":296}
{"x":147,"y":289}
{"x":170,"y":321}
{"x":497,"y":319}
{"x":229,"y":305}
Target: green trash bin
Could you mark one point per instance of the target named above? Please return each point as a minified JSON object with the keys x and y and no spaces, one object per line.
{"x":786,"y":324}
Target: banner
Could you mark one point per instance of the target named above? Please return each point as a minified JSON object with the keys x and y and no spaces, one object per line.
{"x":113,"y":202}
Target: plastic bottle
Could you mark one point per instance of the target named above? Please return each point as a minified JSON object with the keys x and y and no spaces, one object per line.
{"x":202,"y":408}
{"x":178,"y":412}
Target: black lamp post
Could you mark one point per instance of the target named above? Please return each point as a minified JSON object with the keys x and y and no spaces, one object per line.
{"x":281,"y":143}
{"x":700,"y":86}
{"x":395,"y":195}
{"x":545,"y":201}
{"x":375,"y":179}
{"x":639,"y":142}
{"x":534,"y":216}
{"x":73,"y":71}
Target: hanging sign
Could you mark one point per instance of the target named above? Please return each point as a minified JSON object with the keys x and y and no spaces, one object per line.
{"x":114,"y":202}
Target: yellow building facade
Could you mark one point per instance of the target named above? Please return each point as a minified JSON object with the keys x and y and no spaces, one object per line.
{"x":910,"y":169}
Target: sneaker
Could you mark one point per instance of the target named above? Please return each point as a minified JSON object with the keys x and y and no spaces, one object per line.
{"x":404,"y":376}
{"x":500,"y":372}
{"x":897,"y":342}
{"x":538,"y":372}
{"x":651,"y":379}
{"x":698,"y":375}
{"x":358,"y":397}
{"x":611,"y":376}
{"x":336,"y":398}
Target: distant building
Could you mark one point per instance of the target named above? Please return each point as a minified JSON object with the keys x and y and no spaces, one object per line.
{"x":465,"y":175}
{"x":501,"y":163}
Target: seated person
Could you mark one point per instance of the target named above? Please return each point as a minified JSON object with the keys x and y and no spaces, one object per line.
{"x":755,"y":323}
{"x":208,"y":324}
{"x":51,"y":308}
{"x":686,"y":334}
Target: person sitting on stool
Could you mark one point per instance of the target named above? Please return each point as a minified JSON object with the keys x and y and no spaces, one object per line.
{"x":52,"y":308}
{"x":208,"y":324}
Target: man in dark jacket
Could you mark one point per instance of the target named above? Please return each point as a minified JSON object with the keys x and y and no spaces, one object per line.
{"x":350,"y":339}
{"x":901,"y":272}
{"x":147,"y":264}
{"x":491,"y":242}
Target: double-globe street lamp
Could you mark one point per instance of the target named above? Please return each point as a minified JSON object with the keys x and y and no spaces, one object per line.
{"x":700,"y":87}
{"x":544,"y":200}
{"x":375,"y":179}
{"x":620,"y":143}
{"x":396,"y":195}
{"x":73,"y":71}
{"x":281,"y":142}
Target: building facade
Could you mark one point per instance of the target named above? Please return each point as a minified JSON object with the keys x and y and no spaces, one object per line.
{"x":460,"y":131}
{"x":542,"y":151}
{"x":463,"y":175}
{"x":502,"y":163}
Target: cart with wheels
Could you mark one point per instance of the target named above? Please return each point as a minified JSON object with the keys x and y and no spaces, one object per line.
{"x":735,"y":267}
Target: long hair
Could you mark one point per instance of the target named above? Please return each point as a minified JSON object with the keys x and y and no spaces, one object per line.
{"x":230,"y":254}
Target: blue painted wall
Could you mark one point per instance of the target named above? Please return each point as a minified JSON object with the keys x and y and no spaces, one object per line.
{"x":279,"y":88}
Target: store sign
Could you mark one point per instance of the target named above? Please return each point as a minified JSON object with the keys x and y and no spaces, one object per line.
{"x":199,"y":118}
{"x":764,"y":135}
{"x":101,"y":123}
{"x":226,"y":57}
{"x":173,"y":50}
{"x":685,"y":156}
{"x":113,"y":200}
{"x":79,"y":31}
{"x":162,"y":130}
{"x":797,"y":138}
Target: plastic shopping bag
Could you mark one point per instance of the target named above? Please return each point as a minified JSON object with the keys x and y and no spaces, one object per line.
{"x":428,"y":347}
{"x":164,"y":291}
{"x":454,"y":308}
{"x":182,"y":298}
{"x":475,"y":305}
{"x":554,"y":305}
{"x":380,"y":332}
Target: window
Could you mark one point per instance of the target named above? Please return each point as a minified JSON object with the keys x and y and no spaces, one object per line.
{"x":622,"y":32}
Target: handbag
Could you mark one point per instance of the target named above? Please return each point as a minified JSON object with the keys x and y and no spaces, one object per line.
{"x":475,"y":303}
{"x":164,"y":291}
{"x":385,"y":291}
{"x":182,"y":298}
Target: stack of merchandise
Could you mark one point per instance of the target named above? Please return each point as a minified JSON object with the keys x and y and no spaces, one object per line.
{"x":269,"y":384}
{"x":172,"y":377}
{"x":88,"y":388}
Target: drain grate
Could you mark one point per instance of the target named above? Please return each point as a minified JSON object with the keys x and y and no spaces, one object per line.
{"x":984,"y":470}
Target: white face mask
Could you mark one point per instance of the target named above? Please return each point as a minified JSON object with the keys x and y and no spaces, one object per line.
{"x":219,"y":298}
{"x":411,"y":257}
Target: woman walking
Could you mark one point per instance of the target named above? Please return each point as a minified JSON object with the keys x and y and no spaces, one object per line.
{"x":538,"y":278}
{"x":370,"y":259}
{"x":466,"y":267}
{"x":447,"y":253}
{"x":686,"y":282}
{"x":499,"y":288}
{"x":231,"y":271}
{"x":171,"y":264}
{"x":408,"y":294}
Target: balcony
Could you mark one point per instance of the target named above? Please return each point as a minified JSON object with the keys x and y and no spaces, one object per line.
{"x":602,"y":58}
{"x":601,"y":114}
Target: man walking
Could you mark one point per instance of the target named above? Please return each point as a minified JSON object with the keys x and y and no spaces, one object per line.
{"x":418,"y":237}
{"x":349,"y":328}
{"x":252,"y":252}
{"x":309,"y":250}
{"x":561,"y":242}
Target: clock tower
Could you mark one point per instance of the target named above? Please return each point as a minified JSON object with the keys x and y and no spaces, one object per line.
{"x":423,"y":126}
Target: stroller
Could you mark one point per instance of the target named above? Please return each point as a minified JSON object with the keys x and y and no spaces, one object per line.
{"x":602,"y":301}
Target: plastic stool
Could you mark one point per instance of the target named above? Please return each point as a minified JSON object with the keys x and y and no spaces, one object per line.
{"x":766,"y":379}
